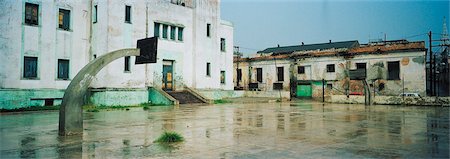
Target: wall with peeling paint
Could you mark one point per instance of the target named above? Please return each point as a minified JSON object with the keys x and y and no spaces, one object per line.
{"x":412,"y":71}
{"x":46,"y":42}
{"x":269,"y":73}
{"x":86,"y":40}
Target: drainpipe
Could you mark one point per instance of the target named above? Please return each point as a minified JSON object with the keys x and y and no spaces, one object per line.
{"x":323,"y":90}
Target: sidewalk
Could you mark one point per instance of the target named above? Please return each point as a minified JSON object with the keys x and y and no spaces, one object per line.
{"x":245,"y":100}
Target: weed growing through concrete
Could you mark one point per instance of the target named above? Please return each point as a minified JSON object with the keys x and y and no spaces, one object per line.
{"x":32,"y":108}
{"x":170,"y":137}
{"x":221,"y":101}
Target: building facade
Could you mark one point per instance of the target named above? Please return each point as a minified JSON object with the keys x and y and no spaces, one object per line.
{"x":47,"y":42}
{"x":320,"y":70}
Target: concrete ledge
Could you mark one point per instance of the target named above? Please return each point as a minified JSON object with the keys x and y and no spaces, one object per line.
{"x":159,"y":97}
{"x":118,"y":96}
{"x":391,"y":100}
{"x":21,"y":98}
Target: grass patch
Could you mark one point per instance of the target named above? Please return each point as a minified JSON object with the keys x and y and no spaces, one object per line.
{"x":169,"y":137}
{"x":221,"y":101}
{"x":31,"y":108}
{"x":94,"y":108}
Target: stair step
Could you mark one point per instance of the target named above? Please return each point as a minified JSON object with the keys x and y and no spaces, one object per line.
{"x":184,"y":97}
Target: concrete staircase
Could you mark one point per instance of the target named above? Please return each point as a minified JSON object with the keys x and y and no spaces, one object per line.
{"x":185,"y":97}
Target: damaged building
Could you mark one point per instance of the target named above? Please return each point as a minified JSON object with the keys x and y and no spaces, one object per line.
{"x":45,"y":44}
{"x":324,"y":70}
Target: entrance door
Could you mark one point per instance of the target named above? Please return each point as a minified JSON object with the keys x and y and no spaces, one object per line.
{"x":167,"y":83}
{"x":304,"y":90}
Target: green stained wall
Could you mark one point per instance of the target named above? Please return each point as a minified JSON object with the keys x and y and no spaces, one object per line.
{"x":156,"y":98}
{"x":115,"y":97}
{"x":20,"y":98}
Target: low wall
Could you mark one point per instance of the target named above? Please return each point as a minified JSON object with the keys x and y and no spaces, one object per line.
{"x":156,"y":97}
{"x":390,"y":100}
{"x":114,"y":97}
{"x":21,"y":98}
{"x":220,"y":94}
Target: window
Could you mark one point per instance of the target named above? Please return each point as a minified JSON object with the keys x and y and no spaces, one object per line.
{"x":127,"y":64}
{"x":94,"y":18}
{"x":301,"y":69}
{"x":259,"y":74}
{"x":239,"y":74}
{"x":30,"y":67}
{"x":329,"y":86}
{"x":222,"y":44}
{"x":280,"y":73}
{"x":156,"y":30}
{"x":208,"y":69}
{"x":127,"y":14}
{"x":64,"y":19}
{"x":180,"y":34}
{"x":361,"y":66}
{"x":330,"y":68}
{"x":393,"y":70}
{"x":63,"y":69}
{"x":31,"y":14}
{"x":222,"y":77}
{"x":172,"y":32}
{"x":165,"y":27}
{"x":208,"y":30}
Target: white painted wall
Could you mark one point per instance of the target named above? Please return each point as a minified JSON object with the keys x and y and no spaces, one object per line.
{"x":189,"y":56}
{"x":86,"y":39}
{"x":45,"y":41}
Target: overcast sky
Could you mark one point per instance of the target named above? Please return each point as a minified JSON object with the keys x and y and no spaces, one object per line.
{"x":259,"y":24}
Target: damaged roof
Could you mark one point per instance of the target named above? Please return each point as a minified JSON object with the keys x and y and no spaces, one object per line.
{"x":389,"y":47}
{"x":322,"y":46}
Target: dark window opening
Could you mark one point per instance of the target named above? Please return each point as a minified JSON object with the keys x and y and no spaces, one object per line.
{"x":128,"y":14}
{"x":31,"y":14}
{"x":63,"y":69}
{"x":259,"y":76}
{"x":165,"y":30}
{"x":222,"y":77}
{"x":361,"y":66}
{"x":64,"y":19}
{"x":208,"y":69}
{"x":180,"y":34}
{"x":381,"y":87}
{"x":277,"y":86}
{"x":94,"y":18}
{"x":49,"y":102}
{"x":329,"y":86}
{"x":394,"y":70}
{"x":301,"y":69}
{"x":156,"y":30}
{"x":208,"y":30}
{"x":30,"y":67}
{"x":239,"y":74}
{"x":222,"y":44}
{"x":330,"y":68}
{"x":280,"y":73}
{"x":172,"y":32}
{"x":127,"y":64}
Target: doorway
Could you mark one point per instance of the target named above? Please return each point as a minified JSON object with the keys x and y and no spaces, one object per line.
{"x":167,"y":81}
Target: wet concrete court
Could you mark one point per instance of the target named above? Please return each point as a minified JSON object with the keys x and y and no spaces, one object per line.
{"x":300,"y":129}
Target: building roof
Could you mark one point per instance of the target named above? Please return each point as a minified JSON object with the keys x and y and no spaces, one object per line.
{"x":322,"y":46}
{"x":379,"y":48}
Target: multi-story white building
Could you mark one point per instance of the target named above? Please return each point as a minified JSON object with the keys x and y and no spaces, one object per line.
{"x":45,"y":43}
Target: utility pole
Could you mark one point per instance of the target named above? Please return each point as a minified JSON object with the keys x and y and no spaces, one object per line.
{"x":431,"y":65}
{"x":236,"y":52}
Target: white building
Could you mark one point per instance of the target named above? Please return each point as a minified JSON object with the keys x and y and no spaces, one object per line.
{"x":45,"y":43}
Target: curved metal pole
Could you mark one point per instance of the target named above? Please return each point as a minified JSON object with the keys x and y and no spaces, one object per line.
{"x":70,"y":113}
